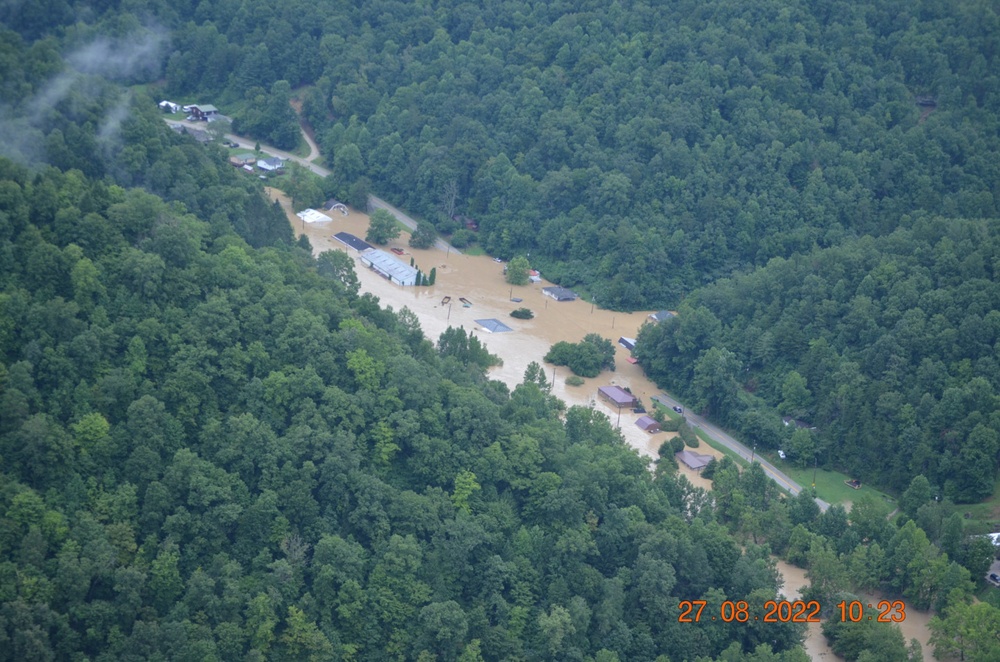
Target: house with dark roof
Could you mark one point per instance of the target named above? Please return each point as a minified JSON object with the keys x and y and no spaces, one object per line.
{"x":627,"y":343}
{"x":559,"y":293}
{"x":661,"y":315}
{"x":348,"y":239}
{"x":201,"y":112}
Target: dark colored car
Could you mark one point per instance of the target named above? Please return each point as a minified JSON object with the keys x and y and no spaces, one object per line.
{"x":679,"y":410}
{"x":994,"y":577}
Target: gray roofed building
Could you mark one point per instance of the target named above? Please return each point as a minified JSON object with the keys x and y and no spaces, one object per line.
{"x":202,"y":111}
{"x":616,"y":396}
{"x":271,"y":164}
{"x":559,"y":293}
{"x":494,"y":325}
{"x":692,"y":459}
{"x":661,"y":315}
{"x":389,"y":267}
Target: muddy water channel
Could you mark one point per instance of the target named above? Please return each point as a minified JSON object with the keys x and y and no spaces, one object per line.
{"x":480,"y":280}
{"x":915,"y":626}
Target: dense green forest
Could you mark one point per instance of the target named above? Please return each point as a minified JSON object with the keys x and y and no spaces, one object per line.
{"x":212,"y":451}
{"x":213,"y":447}
{"x":888,"y":346}
{"x":641,"y":153}
{"x":635,"y":149}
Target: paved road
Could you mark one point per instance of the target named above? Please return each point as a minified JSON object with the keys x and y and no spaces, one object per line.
{"x":378,"y":203}
{"x":729,"y":442}
{"x":373,"y":201}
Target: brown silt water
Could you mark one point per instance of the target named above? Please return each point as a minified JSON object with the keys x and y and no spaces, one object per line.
{"x":480,"y":280}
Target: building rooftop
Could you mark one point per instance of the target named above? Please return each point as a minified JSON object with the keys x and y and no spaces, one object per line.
{"x":313,"y":216}
{"x":646,"y":422}
{"x":618,"y":395}
{"x":560,"y":293}
{"x":389,"y":265}
{"x":493,"y":325}
{"x":692,"y":459}
{"x":349,"y":239}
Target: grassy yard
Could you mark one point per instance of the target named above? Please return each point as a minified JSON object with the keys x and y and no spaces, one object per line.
{"x":830,"y":486}
{"x":982,"y":517}
{"x":474,"y":249}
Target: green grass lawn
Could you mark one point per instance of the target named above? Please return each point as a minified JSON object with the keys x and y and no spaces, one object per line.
{"x":474,"y":249}
{"x":982,"y":517}
{"x":830,"y":486}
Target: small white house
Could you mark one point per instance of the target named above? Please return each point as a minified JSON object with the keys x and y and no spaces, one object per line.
{"x":271,"y":164}
{"x":169,"y":106}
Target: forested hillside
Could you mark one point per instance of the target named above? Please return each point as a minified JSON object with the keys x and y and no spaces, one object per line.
{"x":636,"y":149}
{"x":213,"y":447}
{"x":888,"y":346}
{"x":216,"y":452}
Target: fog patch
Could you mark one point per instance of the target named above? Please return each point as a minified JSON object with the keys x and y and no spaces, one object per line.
{"x":130,"y":59}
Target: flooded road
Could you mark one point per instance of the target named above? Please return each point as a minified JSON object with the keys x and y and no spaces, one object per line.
{"x":480,"y":280}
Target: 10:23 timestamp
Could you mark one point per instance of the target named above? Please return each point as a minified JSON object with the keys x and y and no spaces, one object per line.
{"x":785,"y":611}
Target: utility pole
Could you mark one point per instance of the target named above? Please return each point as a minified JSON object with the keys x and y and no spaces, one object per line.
{"x":815,"y":465}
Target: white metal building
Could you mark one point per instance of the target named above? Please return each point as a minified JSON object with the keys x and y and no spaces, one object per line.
{"x":313,"y":216}
{"x":389,"y":267}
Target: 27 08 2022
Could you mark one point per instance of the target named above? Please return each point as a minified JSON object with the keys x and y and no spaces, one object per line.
{"x":772,"y":611}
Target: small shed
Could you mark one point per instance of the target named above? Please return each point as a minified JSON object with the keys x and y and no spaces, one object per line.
{"x":627,"y":343}
{"x":616,"y":396}
{"x":692,"y":459}
{"x":661,"y":315}
{"x":559,"y":293}
{"x":648,"y":423}
{"x":534,"y":276}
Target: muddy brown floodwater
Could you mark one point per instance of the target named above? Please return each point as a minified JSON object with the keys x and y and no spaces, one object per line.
{"x":914,"y":626}
{"x":480,"y":280}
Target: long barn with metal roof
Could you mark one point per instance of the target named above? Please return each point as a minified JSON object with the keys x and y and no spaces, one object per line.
{"x":389,"y":267}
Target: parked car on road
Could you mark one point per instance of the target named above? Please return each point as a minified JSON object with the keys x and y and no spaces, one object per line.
{"x":679,"y":410}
